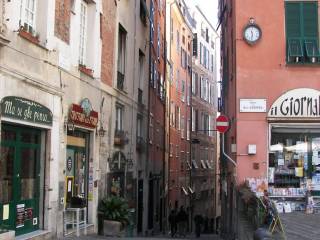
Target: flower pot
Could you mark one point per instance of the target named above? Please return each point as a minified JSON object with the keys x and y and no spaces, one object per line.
{"x":112,"y":228}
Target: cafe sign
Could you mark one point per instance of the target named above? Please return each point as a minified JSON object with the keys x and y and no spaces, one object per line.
{"x":297,"y":103}
{"x":25,"y":110}
{"x":83,"y":115}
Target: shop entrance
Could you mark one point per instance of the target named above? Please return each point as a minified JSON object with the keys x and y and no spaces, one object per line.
{"x":76,"y":169}
{"x":19,"y":178}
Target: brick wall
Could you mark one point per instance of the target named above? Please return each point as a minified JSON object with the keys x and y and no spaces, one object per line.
{"x":108,"y":34}
{"x":62,"y":20}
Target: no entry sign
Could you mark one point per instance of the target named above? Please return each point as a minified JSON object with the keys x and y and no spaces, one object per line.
{"x":222,"y":123}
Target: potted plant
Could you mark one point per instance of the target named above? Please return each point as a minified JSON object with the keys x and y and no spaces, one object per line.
{"x":113,"y":214}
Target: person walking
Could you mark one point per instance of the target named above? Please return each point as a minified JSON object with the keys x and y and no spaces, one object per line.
{"x":198,"y":219}
{"x":173,"y":222}
{"x":182,"y":219}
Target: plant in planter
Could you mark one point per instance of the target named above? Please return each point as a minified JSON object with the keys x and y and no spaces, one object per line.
{"x":113,"y":215}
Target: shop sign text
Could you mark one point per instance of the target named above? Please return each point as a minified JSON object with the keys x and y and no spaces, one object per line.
{"x":25,"y":110}
{"x":78,"y":116}
{"x":297,"y":103}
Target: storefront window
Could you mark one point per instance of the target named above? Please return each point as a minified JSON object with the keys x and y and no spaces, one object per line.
{"x":77,"y":169}
{"x":294,"y":157}
{"x":28,"y":173}
{"x":6,"y":174}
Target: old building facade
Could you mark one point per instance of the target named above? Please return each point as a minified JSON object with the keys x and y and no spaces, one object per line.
{"x":203,"y":90}
{"x":179,"y":48}
{"x":156,"y":105}
{"x":271,"y":102}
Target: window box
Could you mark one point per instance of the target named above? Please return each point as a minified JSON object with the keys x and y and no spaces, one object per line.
{"x":85,"y":70}
{"x":120,"y":138}
{"x":29,"y":34}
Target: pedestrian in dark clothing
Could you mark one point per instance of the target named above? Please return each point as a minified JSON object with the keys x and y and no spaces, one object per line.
{"x":182,"y":219}
{"x":173,"y":222}
{"x":198,"y":219}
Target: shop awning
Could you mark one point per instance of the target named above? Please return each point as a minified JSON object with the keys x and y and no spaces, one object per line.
{"x":194,"y":164}
{"x":190,"y":190}
{"x":188,"y":165}
{"x":203,"y":165}
{"x":295,"y":128}
{"x":208,"y":164}
{"x":184,"y":191}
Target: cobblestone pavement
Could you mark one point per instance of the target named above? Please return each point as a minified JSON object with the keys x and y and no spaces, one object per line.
{"x":301,"y":226}
{"x":94,"y":237}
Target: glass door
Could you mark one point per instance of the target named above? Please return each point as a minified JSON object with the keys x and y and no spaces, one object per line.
{"x":7,"y":179}
{"x":20,"y":179}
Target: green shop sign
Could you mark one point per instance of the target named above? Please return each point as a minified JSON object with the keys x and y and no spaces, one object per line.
{"x":25,"y":110}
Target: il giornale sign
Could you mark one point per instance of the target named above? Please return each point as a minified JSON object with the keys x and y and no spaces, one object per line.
{"x":297,"y":103}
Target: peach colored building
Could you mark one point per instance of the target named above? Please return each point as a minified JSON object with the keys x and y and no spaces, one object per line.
{"x":270,"y":66}
{"x":179,"y":47}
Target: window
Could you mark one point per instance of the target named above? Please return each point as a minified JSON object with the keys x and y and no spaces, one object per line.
{"x":200,"y":54}
{"x":183,"y":90}
{"x":182,"y":127}
{"x":155,"y":75}
{"x":121,"y":57}
{"x":193,"y":123}
{"x":178,"y":41}
{"x":83,"y":32}
{"x":177,"y":151}
{"x":171,"y":149}
{"x":151,"y":73}
{"x":159,"y":42}
{"x":183,"y":58}
{"x":141,"y":68}
{"x":194,"y":83}
{"x":302,"y":32}
{"x":28,"y":8}
{"x":172,"y":115}
{"x":212,"y":63}
{"x":143,"y":11}
{"x":177,"y":116}
{"x":151,"y":21}
{"x":119,"y":117}
{"x":177,"y":81}
{"x":188,"y":129}
{"x":182,"y":161}
{"x":151,"y":129}
{"x":139,"y":126}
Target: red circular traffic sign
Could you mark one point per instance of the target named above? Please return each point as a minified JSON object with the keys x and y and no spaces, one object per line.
{"x":222,"y":123}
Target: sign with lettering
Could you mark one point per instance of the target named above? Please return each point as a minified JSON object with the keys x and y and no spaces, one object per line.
{"x":25,"y":110}
{"x":297,"y":103}
{"x":253,"y":105}
{"x":83,"y":115}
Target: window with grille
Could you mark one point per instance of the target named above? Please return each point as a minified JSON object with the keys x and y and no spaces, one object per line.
{"x":29,"y":15}
{"x":302,"y":32}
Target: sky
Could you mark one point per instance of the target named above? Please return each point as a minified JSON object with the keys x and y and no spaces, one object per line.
{"x":209,"y":8}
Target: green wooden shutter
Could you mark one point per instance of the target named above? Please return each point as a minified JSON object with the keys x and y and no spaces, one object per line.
{"x":293,"y":20}
{"x":310,"y":19}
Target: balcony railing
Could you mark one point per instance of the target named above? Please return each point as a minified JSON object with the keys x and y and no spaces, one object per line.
{"x":120,"y":138}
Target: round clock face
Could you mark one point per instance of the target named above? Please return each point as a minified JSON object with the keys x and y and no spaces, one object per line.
{"x":252,"y":34}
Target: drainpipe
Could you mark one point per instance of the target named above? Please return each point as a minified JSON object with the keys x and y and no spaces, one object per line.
{"x":226,"y":155}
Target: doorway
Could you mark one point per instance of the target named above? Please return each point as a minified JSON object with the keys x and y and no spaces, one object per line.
{"x":20,"y":178}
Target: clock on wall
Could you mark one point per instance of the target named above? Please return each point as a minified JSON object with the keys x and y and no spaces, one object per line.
{"x":252,"y":32}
